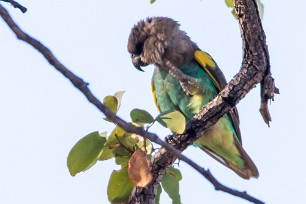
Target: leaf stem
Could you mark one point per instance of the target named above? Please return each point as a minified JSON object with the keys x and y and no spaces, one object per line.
{"x":125,"y":147}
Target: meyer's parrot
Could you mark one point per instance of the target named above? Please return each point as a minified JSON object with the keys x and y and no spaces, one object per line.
{"x":186,"y":79}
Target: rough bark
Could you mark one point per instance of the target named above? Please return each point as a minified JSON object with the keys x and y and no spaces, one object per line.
{"x":255,"y":69}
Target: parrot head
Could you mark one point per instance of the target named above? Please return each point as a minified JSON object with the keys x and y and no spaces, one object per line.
{"x":156,"y":39}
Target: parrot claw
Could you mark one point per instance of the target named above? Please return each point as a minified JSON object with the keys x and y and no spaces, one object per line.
{"x":189,"y":85}
{"x":191,"y":88}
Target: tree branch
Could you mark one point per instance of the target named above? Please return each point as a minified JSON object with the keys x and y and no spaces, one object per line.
{"x":165,"y":157}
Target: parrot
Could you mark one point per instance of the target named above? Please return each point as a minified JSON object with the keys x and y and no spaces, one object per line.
{"x":185,"y":79}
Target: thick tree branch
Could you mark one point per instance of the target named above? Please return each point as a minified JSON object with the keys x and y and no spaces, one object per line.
{"x":167,"y":155}
{"x":255,"y":69}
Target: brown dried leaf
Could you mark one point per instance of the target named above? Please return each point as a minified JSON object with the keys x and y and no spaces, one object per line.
{"x":139,"y":169}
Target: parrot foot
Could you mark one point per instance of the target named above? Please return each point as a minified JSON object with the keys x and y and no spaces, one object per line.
{"x":189,"y":85}
{"x":190,"y":88}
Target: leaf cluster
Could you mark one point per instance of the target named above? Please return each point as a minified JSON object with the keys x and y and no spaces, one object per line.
{"x":130,"y":151}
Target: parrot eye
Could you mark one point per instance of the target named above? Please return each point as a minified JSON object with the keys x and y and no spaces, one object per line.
{"x":138,"y":48}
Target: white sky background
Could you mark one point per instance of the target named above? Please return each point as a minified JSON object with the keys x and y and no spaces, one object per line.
{"x":42,"y":116}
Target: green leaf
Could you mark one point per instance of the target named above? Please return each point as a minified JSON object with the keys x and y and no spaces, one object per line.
{"x":175,"y":121}
{"x":261,"y":8}
{"x":141,"y":116}
{"x":111,"y":102}
{"x":170,"y":183}
{"x":120,"y":151}
{"x":118,"y":131}
{"x":119,"y":186}
{"x":175,"y":173}
{"x":230,"y":3}
{"x":85,"y":152}
{"x":112,"y":140}
{"x":159,"y":118}
{"x":131,"y":140}
{"x":123,"y":161}
{"x":118,"y":95}
{"x":234,"y":13}
{"x":146,"y":148}
{"x":122,"y":156}
{"x":159,"y":191}
{"x":152,"y":1}
{"x":106,"y":154}
{"x":120,"y":140}
{"x":125,"y":143}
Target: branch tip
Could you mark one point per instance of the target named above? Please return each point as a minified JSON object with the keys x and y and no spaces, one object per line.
{"x":16,"y":5}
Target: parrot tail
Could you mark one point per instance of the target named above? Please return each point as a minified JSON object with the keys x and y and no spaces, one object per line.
{"x":249,"y":170}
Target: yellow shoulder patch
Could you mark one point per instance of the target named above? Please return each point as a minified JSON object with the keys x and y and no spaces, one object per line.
{"x":204,"y":59}
{"x":154,"y":96}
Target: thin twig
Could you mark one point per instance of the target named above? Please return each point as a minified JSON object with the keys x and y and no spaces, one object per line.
{"x":82,"y":86}
{"x":122,"y":145}
{"x":16,"y":5}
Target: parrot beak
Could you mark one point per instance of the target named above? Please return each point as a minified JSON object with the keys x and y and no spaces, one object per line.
{"x":138,"y":67}
{"x":137,"y":62}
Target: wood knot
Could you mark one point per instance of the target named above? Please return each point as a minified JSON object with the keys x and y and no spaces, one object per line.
{"x":240,"y":9}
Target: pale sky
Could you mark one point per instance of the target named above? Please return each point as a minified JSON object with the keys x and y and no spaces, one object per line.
{"x":42,"y":116}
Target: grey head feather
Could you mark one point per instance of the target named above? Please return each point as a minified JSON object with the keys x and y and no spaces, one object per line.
{"x":157,"y":40}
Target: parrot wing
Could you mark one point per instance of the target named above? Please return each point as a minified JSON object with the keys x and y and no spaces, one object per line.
{"x":211,"y":68}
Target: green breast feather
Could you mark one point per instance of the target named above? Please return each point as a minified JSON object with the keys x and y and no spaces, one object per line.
{"x":170,"y":95}
{"x":220,"y":141}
